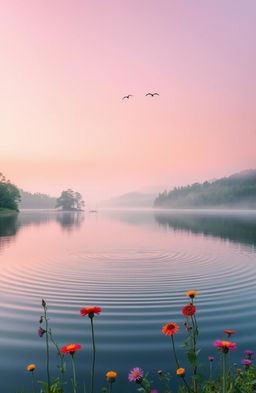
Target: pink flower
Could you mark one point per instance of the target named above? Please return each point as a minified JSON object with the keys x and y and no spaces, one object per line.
{"x":225,"y":345}
{"x":136,"y":374}
{"x":247,"y":362}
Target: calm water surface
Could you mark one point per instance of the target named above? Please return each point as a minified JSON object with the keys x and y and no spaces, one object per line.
{"x":136,"y":265}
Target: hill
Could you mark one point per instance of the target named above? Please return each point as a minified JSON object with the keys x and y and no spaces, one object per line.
{"x":235,"y":191}
{"x":36,"y":201}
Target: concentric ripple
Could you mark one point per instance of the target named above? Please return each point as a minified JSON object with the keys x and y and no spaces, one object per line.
{"x":137,"y":273}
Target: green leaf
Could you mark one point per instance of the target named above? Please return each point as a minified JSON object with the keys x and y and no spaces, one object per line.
{"x":192,"y":358}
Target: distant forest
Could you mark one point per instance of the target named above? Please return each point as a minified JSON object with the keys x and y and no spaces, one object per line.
{"x":36,"y":201}
{"x":237,"y":191}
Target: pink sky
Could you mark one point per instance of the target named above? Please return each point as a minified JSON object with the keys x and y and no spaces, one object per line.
{"x":66,"y":64}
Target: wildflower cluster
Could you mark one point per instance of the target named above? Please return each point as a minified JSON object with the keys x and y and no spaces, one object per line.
{"x":187,"y":373}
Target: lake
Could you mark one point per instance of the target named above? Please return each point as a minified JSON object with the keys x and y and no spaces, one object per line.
{"x":136,"y":265}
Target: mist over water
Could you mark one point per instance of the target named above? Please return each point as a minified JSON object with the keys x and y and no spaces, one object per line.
{"x":136,"y":265}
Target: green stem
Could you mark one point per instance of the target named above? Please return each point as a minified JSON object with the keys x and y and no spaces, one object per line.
{"x":74,"y":372}
{"x":110,"y":387}
{"x":174,"y":352}
{"x":224,"y":373}
{"x":33,"y":382}
{"x":93,"y":355}
{"x":195,"y":333}
{"x":210,"y":376}
{"x":47,"y":350}
{"x":144,"y":387}
{"x":62,"y":369}
{"x":186,"y":384}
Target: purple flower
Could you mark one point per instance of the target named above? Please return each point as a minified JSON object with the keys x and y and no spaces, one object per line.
{"x":41,"y":332}
{"x":136,"y":375}
{"x":249,"y":352}
{"x":211,"y":358}
{"x":154,"y":391}
{"x":247,"y":362}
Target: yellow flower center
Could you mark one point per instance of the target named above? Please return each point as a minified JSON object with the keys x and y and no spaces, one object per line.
{"x":225,"y":343}
{"x":70,"y":347}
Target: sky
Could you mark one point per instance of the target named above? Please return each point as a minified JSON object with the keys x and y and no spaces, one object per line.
{"x":65,"y":66}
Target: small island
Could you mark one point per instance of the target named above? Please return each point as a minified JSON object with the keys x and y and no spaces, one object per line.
{"x":70,"y":200}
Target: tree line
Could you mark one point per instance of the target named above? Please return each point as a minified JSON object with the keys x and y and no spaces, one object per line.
{"x":11,"y":197}
{"x":238,"y":190}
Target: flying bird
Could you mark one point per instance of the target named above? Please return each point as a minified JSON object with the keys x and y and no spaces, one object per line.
{"x":128,"y":96}
{"x":152,"y":94}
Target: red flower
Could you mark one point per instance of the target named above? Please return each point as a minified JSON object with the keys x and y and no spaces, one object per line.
{"x":90,"y":311}
{"x":71,"y":348}
{"x":229,"y":332}
{"x":189,"y":310}
{"x":170,"y":328}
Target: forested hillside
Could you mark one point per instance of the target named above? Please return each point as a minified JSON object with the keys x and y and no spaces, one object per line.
{"x":238,"y":190}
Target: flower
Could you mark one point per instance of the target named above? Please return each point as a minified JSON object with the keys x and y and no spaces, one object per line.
{"x":189,"y":310}
{"x":248,"y":352}
{"x":211,"y":358}
{"x":136,"y":375}
{"x":192,"y":294}
{"x":229,"y":332}
{"x":225,"y":345}
{"x":247,"y":362}
{"x":90,"y":311}
{"x":31,"y":367}
{"x":111,"y":376}
{"x":154,"y":391}
{"x":44,"y":303}
{"x":170,"y":328}
{"x":41,"y":332}
{"x":71,"y":348}
{"x":160,"y":372}
{"x":180,"y":371}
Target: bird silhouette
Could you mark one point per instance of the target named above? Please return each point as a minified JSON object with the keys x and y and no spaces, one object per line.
{"x":128,"y":96}
{"x":152,"y":94}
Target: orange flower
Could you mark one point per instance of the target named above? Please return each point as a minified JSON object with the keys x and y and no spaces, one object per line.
{"x":111,"y":376}
{"x":31,"y":367}
{"x":191,"y":294}
{"x":90,"y":311}
{"x":180,"y":371}
{"x":170,"y":328}
{"x":71,"y":348}
{"x":189,"y":310}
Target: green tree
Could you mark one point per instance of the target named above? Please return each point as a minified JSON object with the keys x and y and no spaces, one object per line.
{"x":9,"y":194}
{"x":70,"y":200}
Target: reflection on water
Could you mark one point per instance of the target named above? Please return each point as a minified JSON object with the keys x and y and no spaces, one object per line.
{"x":236,"y":227}
{"x":137,"y":272}
{"x":11,"y":223}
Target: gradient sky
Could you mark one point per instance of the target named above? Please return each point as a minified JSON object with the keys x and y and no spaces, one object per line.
{"x":66,"y":64}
